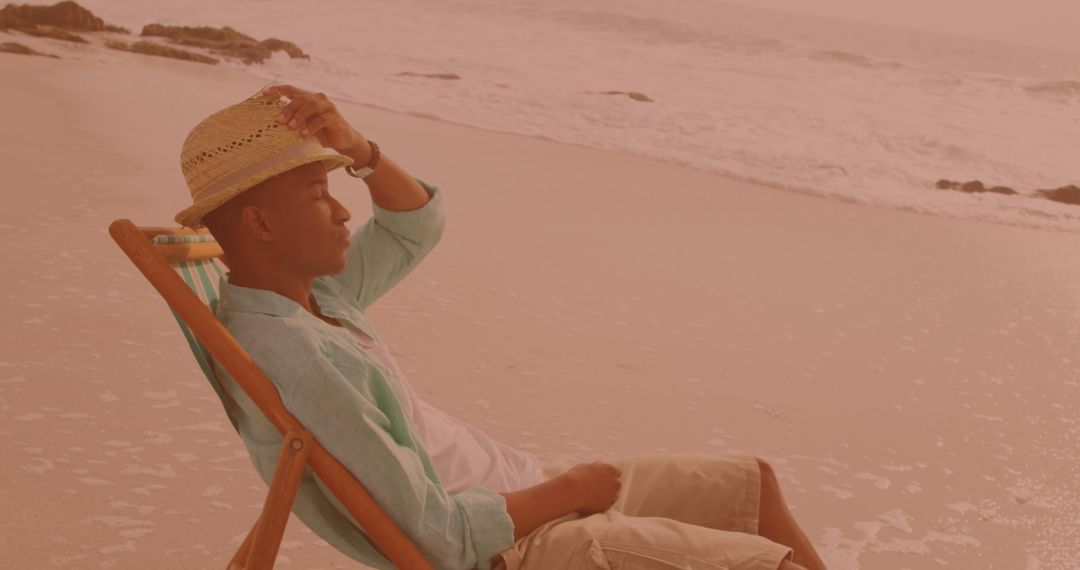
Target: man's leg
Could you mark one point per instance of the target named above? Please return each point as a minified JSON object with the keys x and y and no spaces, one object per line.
{"x":776,"y":523}
{"x":614,"y":540}
{"x":741,"y":494}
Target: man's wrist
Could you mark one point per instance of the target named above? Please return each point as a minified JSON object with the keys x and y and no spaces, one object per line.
{"x":572,"y":489}
{"x":360,"y":153}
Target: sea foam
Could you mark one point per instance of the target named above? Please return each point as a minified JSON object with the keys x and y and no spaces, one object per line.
{"x":844,"y":110}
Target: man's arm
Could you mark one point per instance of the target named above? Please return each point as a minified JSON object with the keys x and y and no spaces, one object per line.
{"x":459,"y":530}
{"x":586,"y":489}
{"x":389,"y":246}
{"x":391,"y":187}
{"x":407,"y":222}
{"x":532,"y":507}
{"x":314,"y":115}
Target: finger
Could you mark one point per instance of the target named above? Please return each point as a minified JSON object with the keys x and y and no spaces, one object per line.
{"x":313,"y":107}
{"x":315,"y":124}
{"x":287,"y":90}
{"x":287,"y":112}
{"x":290,"y":115}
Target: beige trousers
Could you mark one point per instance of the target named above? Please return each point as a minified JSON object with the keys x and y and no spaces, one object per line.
{"x":674,"y":511}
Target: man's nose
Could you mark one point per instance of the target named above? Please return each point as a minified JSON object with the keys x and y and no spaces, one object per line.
{"x":341,"y":213}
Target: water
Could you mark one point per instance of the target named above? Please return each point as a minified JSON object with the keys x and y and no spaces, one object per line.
{"x":851,"y":111}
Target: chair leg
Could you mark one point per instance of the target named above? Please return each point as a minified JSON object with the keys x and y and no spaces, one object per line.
{"x":259,"y":551}
{"x":240,"y":559}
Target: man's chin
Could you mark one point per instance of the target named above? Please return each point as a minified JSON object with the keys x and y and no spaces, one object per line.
{"x":332,"y":269}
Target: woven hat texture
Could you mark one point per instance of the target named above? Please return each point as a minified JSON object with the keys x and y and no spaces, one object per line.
{"x":239,"y":147}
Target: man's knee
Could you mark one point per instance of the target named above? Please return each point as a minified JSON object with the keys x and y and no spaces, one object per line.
{"x":787,"y":565}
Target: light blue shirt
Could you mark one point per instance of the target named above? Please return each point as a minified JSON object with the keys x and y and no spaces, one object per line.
{"x":353,"y":406}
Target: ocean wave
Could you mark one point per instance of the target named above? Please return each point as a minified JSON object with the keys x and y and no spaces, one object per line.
{"x":750,"y":98}
{"x":855,"y":59}
{"x":657,"y":31}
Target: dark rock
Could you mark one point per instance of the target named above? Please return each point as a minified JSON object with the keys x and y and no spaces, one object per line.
{"x":12,"y":47}
{"x":54,"y":33}
{"x":632,"y":94}
{"x":974,"y":187}
{"x":211,"y":37}
{"x":1066,"y":194}
{"x":274,"y":44}
{"x":450,"y":76}
{"x":151,"y":48}
{"x":224,"y":41}
{"x":248,"y":54}
{"x":67,"y":15}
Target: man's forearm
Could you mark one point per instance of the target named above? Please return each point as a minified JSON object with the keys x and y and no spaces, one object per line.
{"x":532,"y":507}
{"x":391,"y":187}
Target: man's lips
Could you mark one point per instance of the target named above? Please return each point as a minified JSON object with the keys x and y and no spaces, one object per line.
{"x":343,"y":236}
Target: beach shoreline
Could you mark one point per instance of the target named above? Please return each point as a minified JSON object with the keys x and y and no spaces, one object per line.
{"x":908,"y":375}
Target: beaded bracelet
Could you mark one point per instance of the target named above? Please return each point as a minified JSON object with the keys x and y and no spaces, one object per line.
{"x":369,"y":167}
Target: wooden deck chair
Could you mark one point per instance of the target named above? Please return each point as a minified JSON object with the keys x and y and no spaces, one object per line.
{"x":184,"y":266}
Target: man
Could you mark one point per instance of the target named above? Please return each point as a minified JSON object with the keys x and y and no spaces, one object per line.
{"x":294,"y":298}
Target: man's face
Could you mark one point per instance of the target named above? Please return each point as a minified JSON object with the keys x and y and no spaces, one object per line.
{"x":307,"y":225}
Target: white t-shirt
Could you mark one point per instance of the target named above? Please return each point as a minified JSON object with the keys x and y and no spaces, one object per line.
{"x":464,"y":456}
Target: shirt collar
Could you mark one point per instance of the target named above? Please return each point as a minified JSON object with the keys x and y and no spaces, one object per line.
{"x":326,"y":290}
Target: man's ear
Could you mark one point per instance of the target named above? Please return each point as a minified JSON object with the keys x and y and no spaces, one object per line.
{"x":256,"y":222}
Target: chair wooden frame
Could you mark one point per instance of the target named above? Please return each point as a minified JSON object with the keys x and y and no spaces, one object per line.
{"x":259,"y":550}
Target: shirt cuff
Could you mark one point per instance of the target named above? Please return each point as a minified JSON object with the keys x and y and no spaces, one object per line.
{"x":413,"y":224}
{"x":491,"y":526}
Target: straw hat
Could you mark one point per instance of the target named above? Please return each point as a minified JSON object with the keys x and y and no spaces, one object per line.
{"x":239,"y":147}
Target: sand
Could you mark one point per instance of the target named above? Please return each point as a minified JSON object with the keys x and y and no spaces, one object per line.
{"x":910,"y":377}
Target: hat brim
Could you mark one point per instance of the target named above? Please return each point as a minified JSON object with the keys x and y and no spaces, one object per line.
{"x":192,"y":216}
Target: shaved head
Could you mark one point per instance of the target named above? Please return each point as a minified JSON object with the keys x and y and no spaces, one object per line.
{"x":225,"y":221}
{"x":287,"y":224}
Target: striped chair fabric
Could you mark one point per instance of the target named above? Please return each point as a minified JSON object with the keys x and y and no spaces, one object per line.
{"x":202,"y":276}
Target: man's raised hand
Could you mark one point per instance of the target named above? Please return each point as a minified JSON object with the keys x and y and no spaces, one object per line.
{"x":314,"y":114}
